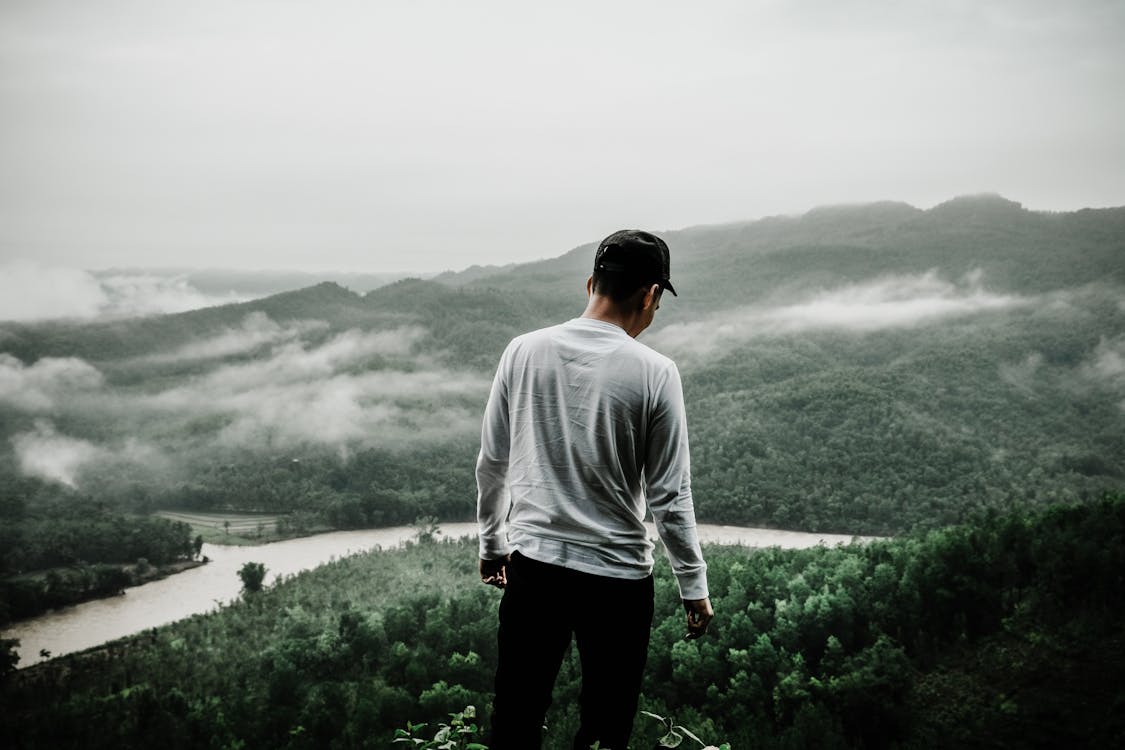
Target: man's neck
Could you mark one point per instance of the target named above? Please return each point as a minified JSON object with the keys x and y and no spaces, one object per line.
{"x":604,"y":309}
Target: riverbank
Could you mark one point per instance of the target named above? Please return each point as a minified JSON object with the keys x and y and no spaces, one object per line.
{"x":216,"y":584}
{"x":969,"y":635}
{"x":30,"y":595}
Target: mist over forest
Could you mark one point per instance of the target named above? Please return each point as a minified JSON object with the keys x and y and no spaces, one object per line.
{"x":953,"y":377}
{"x":857,"y":369}
{"x":31,"y":290}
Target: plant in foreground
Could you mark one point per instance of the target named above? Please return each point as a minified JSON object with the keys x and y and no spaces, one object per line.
{"x":676,"y":733}
{"x":459,"y":734}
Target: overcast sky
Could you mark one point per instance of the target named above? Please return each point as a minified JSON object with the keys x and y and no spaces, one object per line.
{"x":390,"y":136}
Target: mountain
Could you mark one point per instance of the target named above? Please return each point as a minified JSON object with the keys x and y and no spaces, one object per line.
{"x":218,"y":282}
{"x":859,"y":368}
{"x":714,"y":267}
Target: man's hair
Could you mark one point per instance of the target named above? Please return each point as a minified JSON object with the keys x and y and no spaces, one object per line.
{"x":617,"y":287}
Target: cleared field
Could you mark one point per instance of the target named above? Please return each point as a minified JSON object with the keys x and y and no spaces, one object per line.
{"x":242,"y":524}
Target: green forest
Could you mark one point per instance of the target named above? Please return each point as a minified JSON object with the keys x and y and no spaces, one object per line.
{"x":1002,"y":632}
{"x":857,"y":369}
{"x":68,"y":552}
{"x":865,"y":370}
{"x":953,"y":378}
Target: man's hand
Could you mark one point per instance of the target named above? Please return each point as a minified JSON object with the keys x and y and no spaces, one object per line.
{"x":495,"y":572}
{"x":699,"y":616}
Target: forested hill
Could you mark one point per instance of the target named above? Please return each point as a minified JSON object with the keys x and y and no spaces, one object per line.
{"x":855,"y":369}
{"x":716,"y":266}
{"x":1002,"y":633}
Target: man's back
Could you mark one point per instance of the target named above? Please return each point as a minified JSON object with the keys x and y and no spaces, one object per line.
{"x":583,"y":428}
{"x":591,"y":423}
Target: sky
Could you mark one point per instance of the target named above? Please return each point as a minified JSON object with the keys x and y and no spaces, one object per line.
{"x":422,"y":136}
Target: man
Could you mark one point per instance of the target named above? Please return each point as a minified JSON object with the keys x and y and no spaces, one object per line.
{"x":584,"y":428}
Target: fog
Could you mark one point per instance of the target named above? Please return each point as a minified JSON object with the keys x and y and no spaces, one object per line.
{"x":329,"y":394}
{"x":1106,"y":367}
{"x":885,"y":303}
{"x":45,"y":454}
{"x":1022,"y":375}
{"x":147,"y":294}
{"x":256,"y":330}
{"x":1108,"y":362}
{"x":31,"y":290}
{"x":42,"y":385}
{"x":1100,"y":371}
{"x":303,"y":389}
{"x":294,"y":361}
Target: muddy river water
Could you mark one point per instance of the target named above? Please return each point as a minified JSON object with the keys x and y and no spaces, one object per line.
{"x":210,"y":586}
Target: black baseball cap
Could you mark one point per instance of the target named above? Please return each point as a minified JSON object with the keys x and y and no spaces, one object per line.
{"x":639,"y":255}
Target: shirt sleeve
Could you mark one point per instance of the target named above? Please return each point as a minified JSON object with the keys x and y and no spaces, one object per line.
{"x":668,"y":487}
{"x":493,"y":498}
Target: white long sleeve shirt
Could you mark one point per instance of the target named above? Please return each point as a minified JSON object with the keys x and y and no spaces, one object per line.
{"x":584,"y":428}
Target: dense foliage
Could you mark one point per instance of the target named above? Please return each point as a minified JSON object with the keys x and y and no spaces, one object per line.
{"x":336,"y":410}
{"x":1002,"y":632}
{"x":873,"y":429}
{"x":921,"y":427}
{"x":370,"y":488}
{"x":64,"y":552}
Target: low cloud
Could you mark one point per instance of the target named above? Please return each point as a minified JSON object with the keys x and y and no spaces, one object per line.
{"x":356,"y":388}
{"x":1108,"y":361}
{"x":381,"y":408}
{"x":149,"y":294}
{"x":46,"y":454}
{"x":43,"y":385}
{"x":30,"y":290}
{"x":255,"y":331}
{"x":881,"y":304}
{"x":338,"y":392}
{"x":1022,"y":375}
{"x":1105,"y":369}
{"x":1102,"y":371}
{"x":297,"y":361}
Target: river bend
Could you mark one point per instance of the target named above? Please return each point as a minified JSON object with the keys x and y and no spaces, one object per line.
{"x":210,"y":586}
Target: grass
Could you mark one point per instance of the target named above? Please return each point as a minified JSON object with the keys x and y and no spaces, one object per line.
{"x":239,"y":529}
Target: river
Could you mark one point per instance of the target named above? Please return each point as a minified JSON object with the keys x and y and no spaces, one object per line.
{"x":210,"y":586}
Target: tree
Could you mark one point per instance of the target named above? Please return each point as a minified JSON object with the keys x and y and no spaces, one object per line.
{"x":252,"y":575}
{"x":9,"y":657}
{"x":427,"y":529}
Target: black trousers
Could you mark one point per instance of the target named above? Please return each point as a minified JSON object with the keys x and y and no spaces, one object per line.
{"x":543,"y":607}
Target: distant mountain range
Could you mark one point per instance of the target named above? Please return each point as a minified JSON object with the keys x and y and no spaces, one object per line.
{"x":218,"y":282}
{"x":857,"y":368}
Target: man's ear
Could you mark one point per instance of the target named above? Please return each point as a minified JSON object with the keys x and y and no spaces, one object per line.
{"x":589,"y":286}
{"x":651,"y":296}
